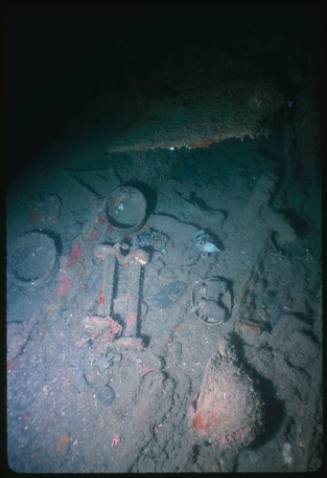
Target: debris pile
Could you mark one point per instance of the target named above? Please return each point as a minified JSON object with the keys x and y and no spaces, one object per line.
{"x":228,"y":409}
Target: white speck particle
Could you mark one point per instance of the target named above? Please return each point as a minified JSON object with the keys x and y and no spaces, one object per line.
{"x":287,"y":453}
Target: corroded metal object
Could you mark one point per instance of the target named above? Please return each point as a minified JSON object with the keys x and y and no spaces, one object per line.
{"x":33,"y":258}
{"x":212,"y":300}
{"x":135,"y":260}
{"x":228,"y":410}
{"x":233,"y":109}
{"x":103,"y":324}
{"x":126,"y":210}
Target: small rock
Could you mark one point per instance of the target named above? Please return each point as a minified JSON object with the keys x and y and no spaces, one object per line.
{"x":91,"y":376}
{"x":249,"y":332}
{"x":106,"y":395}
{"x":62,"y":443}
{"x":169,"y":294}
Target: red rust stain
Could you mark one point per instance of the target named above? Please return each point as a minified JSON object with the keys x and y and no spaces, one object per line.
{"x":62,"y":443}
{"x":250,"y":327}
{"x":113,"y":330}
{"x":11,"y":365}
{"x":65,"y":285}
{"x":204,"y":144}
{"x":75,"y":254}
{"x":131,"y":320}
{"x":101,"y":299}
{"x":199,"y":423}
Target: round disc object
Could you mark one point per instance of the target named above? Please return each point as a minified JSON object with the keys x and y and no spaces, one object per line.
{"x":33,"y":258}
{"x":126,"y":209}
{"x":106,"y":395}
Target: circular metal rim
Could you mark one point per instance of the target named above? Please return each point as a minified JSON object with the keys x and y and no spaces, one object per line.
{"x":204,"y":318}
{"x":26,"y":283}
{"x":125,"y":228}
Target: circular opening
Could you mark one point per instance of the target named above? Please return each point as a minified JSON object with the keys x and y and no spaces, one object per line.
{"x":126,"y":208}
{"x":33,"y":258}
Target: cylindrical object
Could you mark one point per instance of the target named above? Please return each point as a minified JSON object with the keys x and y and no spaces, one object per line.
{"x":105,"y":295}
{"x":107,"y":254}
{"x":126,"y":210}
{"x":132,"y":264}
{"x":132,"y":294}
{"x":33,"y":258}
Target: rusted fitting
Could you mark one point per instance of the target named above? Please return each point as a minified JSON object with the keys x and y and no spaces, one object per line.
{"x":139,"y":256}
